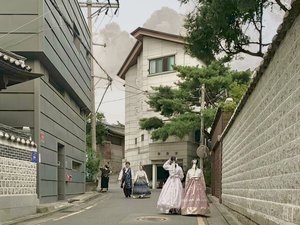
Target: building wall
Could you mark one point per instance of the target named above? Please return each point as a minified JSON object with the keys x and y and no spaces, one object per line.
{"x":261,"y":151}
{"x":54,"y":111}
{"x":220,"y":123}
{"x":17,"y":180}
{"x":113,"y":154}
{"x":136,"y":106}
{"x":40,"y":33}
{"x":61,"y":123}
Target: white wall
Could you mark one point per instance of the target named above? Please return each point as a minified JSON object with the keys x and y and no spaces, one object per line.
{"x":135,"y":104}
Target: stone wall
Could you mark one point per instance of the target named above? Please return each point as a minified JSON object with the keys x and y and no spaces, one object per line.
{"x":261,"y":149}
{"x":17,"y":179}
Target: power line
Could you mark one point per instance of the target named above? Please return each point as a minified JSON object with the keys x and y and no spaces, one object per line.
{"x":119,"y":99}
{"x":79,"y":38}
{"x":103,"y":95}
{"x":131,"y":86}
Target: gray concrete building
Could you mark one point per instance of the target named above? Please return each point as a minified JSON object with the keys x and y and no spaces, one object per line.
{"x":18,"y":153}
{"x":55,"y":39}
{"x":261,"y":144}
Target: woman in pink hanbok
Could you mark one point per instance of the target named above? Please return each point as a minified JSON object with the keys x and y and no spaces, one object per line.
{"x":195,"y":200}
{"x":171,"y":195}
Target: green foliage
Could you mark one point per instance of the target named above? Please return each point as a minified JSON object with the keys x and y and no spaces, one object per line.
{"x":92,"y":164}
{"x":100,"y":129}
{"x":177,"y":104}
{"x":217,"y":26}
{"x":178,"y":126}
{"x":93,"y":160}
{"x":151,"y":123}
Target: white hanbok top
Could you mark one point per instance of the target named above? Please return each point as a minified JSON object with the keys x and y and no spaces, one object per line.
{"x":195,"y":173}
{"x":140,"y":174}
{"x":174,"y":169}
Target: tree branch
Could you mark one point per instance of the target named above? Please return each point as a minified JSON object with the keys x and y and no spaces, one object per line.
{"x":259,"y":53}
{"x":257,"y":43}
{"x":281,"y":5}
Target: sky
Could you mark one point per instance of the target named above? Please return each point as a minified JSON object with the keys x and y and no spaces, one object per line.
{"x":114,"y":31}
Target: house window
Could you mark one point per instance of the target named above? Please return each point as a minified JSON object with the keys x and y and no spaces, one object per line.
{"x":76,"y":166}
{"x":142,"y":137}
{"x":135,"y":140}
{"x":160,"y":65}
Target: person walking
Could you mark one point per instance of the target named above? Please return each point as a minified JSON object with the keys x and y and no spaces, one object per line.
{"x":171,"y":195}
{"x":195,"y":201}
{"x":105,"y":172}
{"x":141,"y":184}
{"x":125,"y":178}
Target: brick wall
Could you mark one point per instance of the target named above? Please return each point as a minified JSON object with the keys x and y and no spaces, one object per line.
{"x":17,"y":180}
{"x":261,"y":150}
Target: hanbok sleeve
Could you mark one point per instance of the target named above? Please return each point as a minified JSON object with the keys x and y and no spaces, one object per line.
{"x":167,"y":165}
{"x":132,"y":174}
{"x":120,"y":175}
{"x":181,"y":175}
{"x":136,"y":177}
{"x":187,"y":178}
{"x":146,"y":177}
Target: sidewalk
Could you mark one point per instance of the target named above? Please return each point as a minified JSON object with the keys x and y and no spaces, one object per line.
{"x":220,"y":214}
{"x":50,"y":208}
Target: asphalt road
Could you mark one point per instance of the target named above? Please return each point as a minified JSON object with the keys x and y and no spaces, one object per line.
{"x":113,"y":209}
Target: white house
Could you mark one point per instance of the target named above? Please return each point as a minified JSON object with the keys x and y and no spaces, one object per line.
{"x":150,"y":64}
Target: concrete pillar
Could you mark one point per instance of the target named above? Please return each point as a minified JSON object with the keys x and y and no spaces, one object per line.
{"x":154,"y":176}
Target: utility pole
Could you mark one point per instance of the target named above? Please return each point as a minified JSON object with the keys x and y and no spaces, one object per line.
{"x":202,"y":149}
{"x":202,"y":122}
{"x":202,"y":140}
{"x":89,"y":4}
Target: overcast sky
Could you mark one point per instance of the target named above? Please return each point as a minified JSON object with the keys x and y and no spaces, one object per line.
{"x":165,"y":15}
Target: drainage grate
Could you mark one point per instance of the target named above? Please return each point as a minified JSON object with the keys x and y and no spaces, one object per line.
{"x":151,"y":218}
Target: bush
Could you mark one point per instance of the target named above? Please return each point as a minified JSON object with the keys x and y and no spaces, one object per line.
{"x":92,"y":165}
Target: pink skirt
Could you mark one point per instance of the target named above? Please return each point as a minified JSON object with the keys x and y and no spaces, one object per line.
{"x":195,"y":200}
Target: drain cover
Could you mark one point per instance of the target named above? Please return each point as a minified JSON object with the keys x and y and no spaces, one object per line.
{"x":151,"y":218}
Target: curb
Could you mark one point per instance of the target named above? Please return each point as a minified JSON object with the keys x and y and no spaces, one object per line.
{"x":44,"y":214}
{"x":229,"y":217}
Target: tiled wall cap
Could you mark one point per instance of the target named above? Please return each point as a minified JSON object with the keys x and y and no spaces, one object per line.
{"x":5,"y":57}
{"x":17,"y":139}
{"x":12,"y":60}
{"x":17,"y":62}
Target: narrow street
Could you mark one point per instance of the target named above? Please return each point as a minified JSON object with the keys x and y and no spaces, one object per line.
{"x":112,"y":209}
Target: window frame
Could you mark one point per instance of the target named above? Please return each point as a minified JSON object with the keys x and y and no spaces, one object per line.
{"x":164,"y":64}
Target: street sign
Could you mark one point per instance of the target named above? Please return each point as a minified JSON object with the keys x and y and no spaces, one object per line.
{"x":34,"y":157}
{"x":202,"y":151}
{"x":42,"y":136}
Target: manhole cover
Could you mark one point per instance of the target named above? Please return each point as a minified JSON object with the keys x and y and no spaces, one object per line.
{"x":151,"y":218}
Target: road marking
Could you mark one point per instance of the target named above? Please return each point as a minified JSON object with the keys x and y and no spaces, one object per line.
{"x":200,"y":221}
{"x":72,"y":214}
{"x":87,"y":208}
